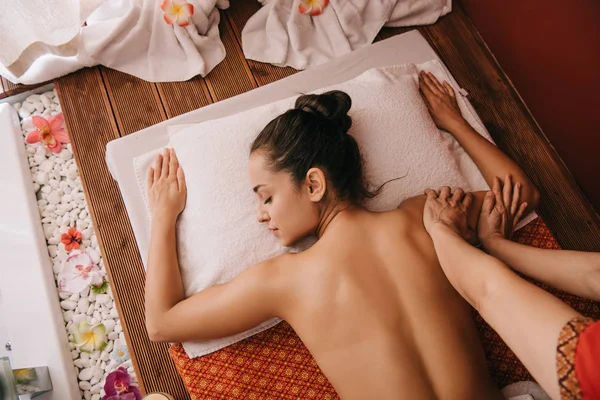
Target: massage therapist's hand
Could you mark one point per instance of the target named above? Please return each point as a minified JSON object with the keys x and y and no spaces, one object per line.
{"x":501,"y":211}
{"x":449,"y":210}
{"x":440,"y":100}
{"x":166,"y":187}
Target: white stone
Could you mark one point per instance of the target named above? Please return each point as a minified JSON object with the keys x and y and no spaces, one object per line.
{"x":96,"y":315}
{"x":95,"y":256}
{"x":32,"y":98}
{"x":57,"y":266}
{"x":58,"y":108}
{"x":109,"y":325}
{"x":95,"y":355}
{"x":102,"y":298}
{"x":114,"y":313}
{"x":23,"y":113}
{"x":66,"y":155}
{"x":47,"y":166}
{"x":90,"y":310}
{"x":36,"y":187}
{"x":39,"y":106}
{"x":41,"y":178}
{"x":74,"y":297}
{"x":39,"y":158}
{"x":28,"y":106}
{"x":81,"y":225}
{"x":78,"y":363}
{"x":113,"y":336}
{"x":92,"y":297}
{"x":85,"y":292}
{"x":98,"y":372}
{"x":54,"y":198}
{"x":87,"y":395}
{"x":96,"y":389}
{"x":50,"y":94}
{"x":68,"y":315}
{"x":52,"y":250}
{"x":85,"y":385}
{"x":45,"y":100}
{"x":17,"y":106}
{"x":109,"y":346}
{"x":78,"y":319}
{"x":94,"y":321}
{"x":95,"y":396}
{"x":64,"y":295}
{"x":72,"y":329}
{"x":83,"y":304}
{"x":94,"y":380}
{"x":118,"y":328}
{"x":74,"y":354}
{"x":53,"y":183}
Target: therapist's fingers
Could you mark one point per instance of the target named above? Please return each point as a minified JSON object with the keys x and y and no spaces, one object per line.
{"x":520,"y":213}
{"x":457,"y":196}
{"x":173,"y":165}
{"x":428,"y":82}
{"x":158,"y":167}
{"x":150,"y":177}
{"x":507,"y":191}
{"x":431,"y":194}
{"x":444,"y":193}
{"x":489,"y":201}
{"x":516,"y":198}
{"x":467,"y":202}
{"x":165,"y":165}
{"x":425,"y":88}
{"x":498,"y":194}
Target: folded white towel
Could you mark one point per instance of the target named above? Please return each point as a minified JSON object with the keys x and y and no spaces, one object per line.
{"x":218,"y":236}
{"x":31,"y":28}
{"x":279,"y":34}
{"x":132,"y":36}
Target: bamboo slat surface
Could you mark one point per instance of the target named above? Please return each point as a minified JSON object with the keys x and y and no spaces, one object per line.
{"x":101,"y":104}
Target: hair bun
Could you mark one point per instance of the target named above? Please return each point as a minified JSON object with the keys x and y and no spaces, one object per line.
{"x":333,"y":105}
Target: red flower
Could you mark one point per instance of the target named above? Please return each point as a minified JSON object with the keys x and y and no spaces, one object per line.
{"x":71,"y":239}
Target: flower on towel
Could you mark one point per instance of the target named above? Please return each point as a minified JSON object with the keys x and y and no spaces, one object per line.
{"x":71,"y":239}
{"x":312,"y":7}
{"x":50,"y":132}
{"x":120,"y":353}
{"x":78,"y":272}
{"x":89,"y":339}
{"x":178,"y":11}
{"x":118,"y":386}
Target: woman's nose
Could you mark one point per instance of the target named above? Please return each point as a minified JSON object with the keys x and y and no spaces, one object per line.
{"x":262,"y":216}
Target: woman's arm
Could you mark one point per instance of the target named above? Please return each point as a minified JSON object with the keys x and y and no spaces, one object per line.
{"x":252,"y":297}
{"x":491,"y":161}
{"x":527,"y":318}
{"x":575,"y":272}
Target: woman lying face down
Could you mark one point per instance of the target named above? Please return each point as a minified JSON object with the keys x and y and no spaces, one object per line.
{"x":369,"y":299}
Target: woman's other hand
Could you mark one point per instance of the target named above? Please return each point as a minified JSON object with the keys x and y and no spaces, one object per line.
{"x":448,"y":209}
{"x":166,"y":187}
{"x":502,"y":209}
{"x":440,"y":100}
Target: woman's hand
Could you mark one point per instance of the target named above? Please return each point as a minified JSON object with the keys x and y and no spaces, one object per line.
{"x":448,"y":210}
{"x":166,"y":187}
{"x":440,"y":100}
{"x":501,"y":211}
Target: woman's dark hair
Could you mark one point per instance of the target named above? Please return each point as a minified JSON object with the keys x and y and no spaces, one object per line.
{"x":315,"y":134}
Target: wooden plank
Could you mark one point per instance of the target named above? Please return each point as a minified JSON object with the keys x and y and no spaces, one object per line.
{"x":91,"y":125}
{"x":564,"y":208}
{"x":232,"y":76}
{"x":181,"y":97}
{"x":135,"y":103}
{"x":263,"y":73}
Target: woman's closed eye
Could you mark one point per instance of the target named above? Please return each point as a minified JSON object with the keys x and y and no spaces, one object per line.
{"x":267,"y":201}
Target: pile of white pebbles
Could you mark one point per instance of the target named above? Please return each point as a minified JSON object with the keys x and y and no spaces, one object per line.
{"x":62,"y":205}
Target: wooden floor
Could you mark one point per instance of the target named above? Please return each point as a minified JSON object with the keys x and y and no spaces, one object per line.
{"x":101,"y":104}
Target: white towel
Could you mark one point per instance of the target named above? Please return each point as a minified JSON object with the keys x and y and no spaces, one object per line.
{"x":31,"y":28}
{"x":279,"y":34}
{"x":218,"y":236}
{"x":132,"y":36}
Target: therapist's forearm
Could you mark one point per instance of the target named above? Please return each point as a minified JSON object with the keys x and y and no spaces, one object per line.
{"x":574,"y":272}
{"x":164,"y":288}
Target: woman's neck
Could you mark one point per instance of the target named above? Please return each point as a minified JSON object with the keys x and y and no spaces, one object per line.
{"x":329,"y":214}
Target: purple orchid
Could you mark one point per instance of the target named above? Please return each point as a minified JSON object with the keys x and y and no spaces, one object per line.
{"x":118,"y":386}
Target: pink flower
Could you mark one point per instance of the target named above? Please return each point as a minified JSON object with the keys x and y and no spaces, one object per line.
{"x":312,"y":7}
{"x":50,"y":132}
{"x":78,"y":272}
{"x":71,"y":239}
{"x":178,"y":11}
{"x":118,"y":386}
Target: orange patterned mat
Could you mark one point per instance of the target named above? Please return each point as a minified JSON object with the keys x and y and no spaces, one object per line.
{"x":275,"y":364}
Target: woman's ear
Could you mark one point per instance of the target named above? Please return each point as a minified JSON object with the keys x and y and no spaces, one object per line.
{"x":315,"y":184}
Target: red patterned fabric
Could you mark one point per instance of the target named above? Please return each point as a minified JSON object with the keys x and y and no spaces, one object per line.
{"x":274,"y":364}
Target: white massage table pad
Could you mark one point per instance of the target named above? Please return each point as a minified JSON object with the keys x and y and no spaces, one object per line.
{"x":409,"y":47}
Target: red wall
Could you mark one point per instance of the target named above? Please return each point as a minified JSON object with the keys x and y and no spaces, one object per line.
{"x":550,"y":49}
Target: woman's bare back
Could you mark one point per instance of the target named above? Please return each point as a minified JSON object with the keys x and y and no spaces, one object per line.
{"x":374,"y":308}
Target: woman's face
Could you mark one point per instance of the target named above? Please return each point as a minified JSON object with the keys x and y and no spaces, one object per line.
{"x":288,"y":212}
